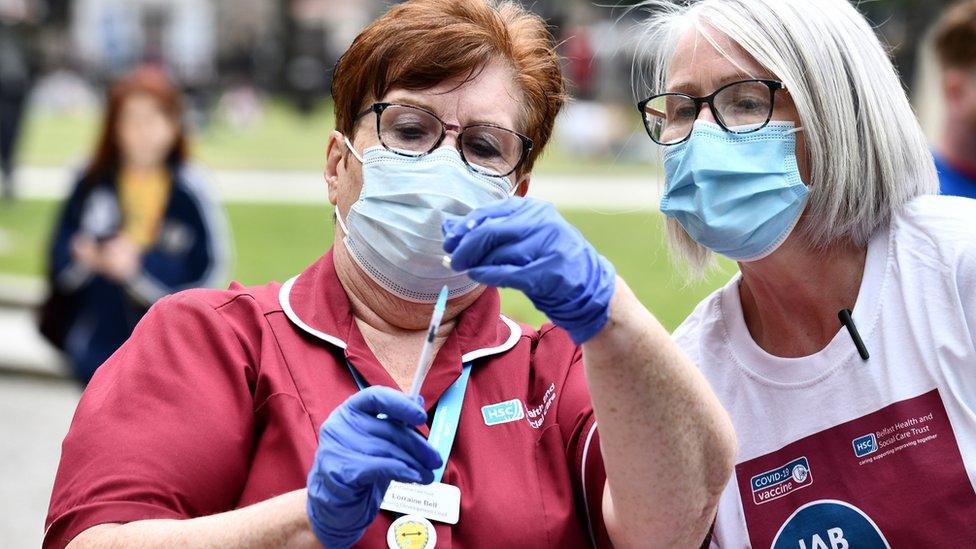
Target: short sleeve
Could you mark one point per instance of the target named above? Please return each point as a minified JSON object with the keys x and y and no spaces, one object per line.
{"x":164,"y":429}
{"x":581,"y":438}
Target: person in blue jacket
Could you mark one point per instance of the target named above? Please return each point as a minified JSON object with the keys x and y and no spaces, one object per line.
{"x":138,"y":225}
{"x":954,"y":38}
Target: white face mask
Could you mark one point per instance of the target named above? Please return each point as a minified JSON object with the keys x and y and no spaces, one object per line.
{"x":393,"y":231}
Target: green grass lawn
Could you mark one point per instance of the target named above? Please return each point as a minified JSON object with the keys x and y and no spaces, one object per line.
{"x":275,"y":242}
{"x":281,"y":140}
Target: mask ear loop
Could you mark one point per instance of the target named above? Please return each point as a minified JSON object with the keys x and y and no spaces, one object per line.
{"x":795,"y":130}
{"x":339,"y":219}
{"x":352,"y":149}
{"x":337,"y":214}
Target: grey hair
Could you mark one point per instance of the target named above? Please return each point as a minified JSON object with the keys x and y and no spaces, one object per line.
{"x":868,"y":155}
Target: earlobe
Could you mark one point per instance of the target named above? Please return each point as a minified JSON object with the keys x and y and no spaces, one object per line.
{"x":522,"y":187}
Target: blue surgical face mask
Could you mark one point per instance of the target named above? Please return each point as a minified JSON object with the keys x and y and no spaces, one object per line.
{"x":394,"y":230}
{"x":739,"y":195}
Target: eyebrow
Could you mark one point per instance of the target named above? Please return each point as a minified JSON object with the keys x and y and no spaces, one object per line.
{"x":413,"y":102}
{"x":688,"y":87}
{"x":416,"y":102}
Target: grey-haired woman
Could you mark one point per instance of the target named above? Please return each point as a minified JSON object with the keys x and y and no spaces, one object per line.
{"x":845,"y":348}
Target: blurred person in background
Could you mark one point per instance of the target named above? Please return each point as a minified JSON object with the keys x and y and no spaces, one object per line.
{"x":139,"y":224}
{"x":17,"y":21}
{"x":790,"y":147}
{"x":278,"y":415}
{"x":954,"y":39}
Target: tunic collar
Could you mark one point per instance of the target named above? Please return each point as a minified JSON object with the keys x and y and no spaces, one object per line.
{"x":316,"y":302}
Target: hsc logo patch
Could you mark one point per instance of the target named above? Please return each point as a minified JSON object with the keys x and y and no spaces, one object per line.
{"x":865,"y":445}
{"x":503,"y":412}
{"x":778,"y":482}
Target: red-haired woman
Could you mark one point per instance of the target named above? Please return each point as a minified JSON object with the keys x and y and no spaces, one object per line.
{"x":273,"y":416}
{"x":138,"y":225}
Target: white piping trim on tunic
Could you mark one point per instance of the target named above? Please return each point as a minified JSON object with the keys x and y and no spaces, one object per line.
{"x":513,"y":338}
{"x":292,"y":316}
{"x":586,"y":502}
{"x":285,"y":293}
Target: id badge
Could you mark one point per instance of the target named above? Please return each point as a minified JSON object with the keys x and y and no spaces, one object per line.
{"x":436,"y":501}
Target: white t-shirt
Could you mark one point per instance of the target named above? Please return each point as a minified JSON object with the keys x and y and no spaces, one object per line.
{"x":836,"y":452}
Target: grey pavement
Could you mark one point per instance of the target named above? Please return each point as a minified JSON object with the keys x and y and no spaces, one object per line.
{"x":591,"y":192}
{"x":23,"y":350}
{"x":34,"y":417}
{"x":36,"y":405}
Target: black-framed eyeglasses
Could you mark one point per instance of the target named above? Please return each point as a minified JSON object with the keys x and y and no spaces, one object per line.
{"x":741,"y":107}
{"x":413,"y":131}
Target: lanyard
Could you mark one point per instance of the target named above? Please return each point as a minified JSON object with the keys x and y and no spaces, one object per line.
{"x":447,"y":415}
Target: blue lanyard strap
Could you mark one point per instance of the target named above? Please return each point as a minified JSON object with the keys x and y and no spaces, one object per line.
{"x":447,"y":415}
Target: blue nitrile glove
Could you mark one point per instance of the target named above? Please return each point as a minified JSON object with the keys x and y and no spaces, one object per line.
{"x":358,"y":455}
{"x":524,"y":243}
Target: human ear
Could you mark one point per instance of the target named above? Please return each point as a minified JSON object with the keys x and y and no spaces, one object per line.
{"x":522,"y":186}
{"x":335,"y":154}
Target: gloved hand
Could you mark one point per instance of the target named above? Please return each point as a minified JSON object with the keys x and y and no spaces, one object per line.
{"x":525,"y":244}
{"x":358,"y":455}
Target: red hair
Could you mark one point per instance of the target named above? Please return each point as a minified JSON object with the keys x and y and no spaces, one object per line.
{"x":154,"y":83}
{"x":421,"y":43}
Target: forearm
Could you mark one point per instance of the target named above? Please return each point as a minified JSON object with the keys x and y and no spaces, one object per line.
{"x":667,"y":443}
{"x":278,"y":522}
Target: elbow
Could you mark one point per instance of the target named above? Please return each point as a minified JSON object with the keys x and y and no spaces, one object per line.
{"x":720,"y":457}
{"x":720,"y":450}
{"x":695,"y":512}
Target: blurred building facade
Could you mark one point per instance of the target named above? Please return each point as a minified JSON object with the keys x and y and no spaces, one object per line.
{"x":230,"y":55}
{"x":289,"y":45}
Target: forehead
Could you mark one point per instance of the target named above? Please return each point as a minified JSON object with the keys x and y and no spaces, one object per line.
{"x":490,"y":97}
{"x":140,"y":102}
{"x":701,"y":63}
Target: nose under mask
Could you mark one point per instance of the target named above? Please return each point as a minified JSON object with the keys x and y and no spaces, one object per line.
{"x":393,"y":231}
{"x":739,"y":195}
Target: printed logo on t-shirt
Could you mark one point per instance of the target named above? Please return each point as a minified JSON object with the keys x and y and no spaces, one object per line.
{"x":778,"y":482}
{"x":866,"y":445}
{"x":828,"y":524}
{"x":892,"y":476}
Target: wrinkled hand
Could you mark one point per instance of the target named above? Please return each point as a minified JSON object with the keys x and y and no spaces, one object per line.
{"x":358,"y":455}
{"x":525,"y":244}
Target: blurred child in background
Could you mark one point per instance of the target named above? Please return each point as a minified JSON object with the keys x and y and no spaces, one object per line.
{"x":139,"y":224}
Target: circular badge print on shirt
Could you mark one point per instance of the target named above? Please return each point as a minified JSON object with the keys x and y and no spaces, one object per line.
{"x":411,"y":532}
{"x":800,"y":473}
{"x":829,"y":524}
